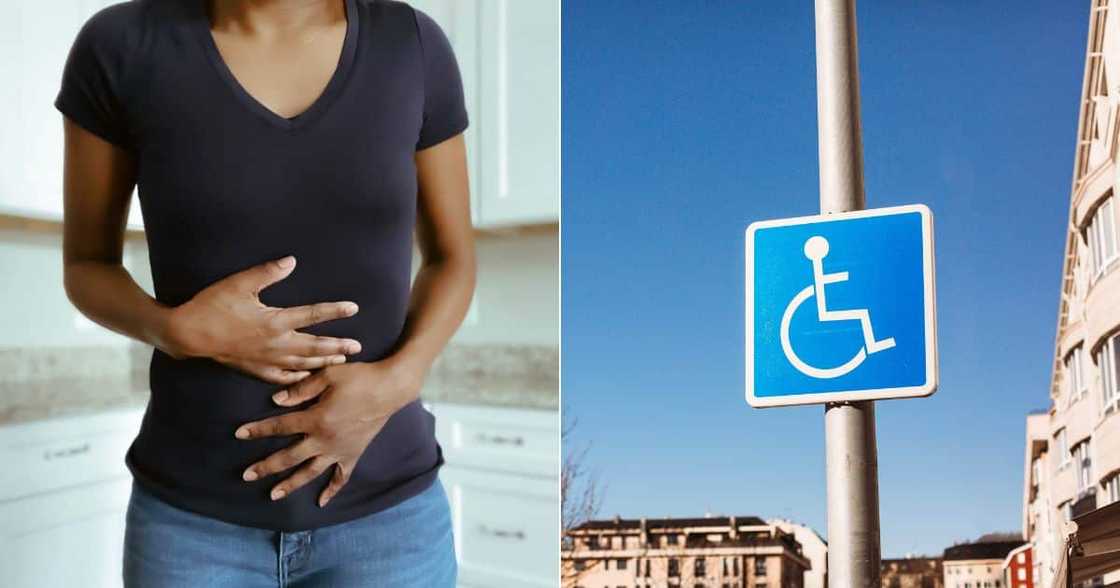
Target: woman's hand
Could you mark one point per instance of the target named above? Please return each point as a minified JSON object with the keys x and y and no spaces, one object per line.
{"x":354,"y":402}
{"x":228,"y":323}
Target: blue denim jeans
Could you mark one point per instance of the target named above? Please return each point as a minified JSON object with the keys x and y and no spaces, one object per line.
{"x":407,"y":545}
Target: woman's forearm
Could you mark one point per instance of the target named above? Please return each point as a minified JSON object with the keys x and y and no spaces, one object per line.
{"x":441,"y":295}
{"x":107,"y":294}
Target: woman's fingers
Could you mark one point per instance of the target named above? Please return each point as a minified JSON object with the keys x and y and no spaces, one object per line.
{"x":301,"y":477}
{"x":301,"y":392}
{"x":286,"y":424}
{"x":309,"y":345}
{"x":275,"y":374}
{"x":297,"y":317}
{"x":279,"y":461}
{"x":299,"y":362}
{"x":339,"y":479}
{"x":262,"y":275}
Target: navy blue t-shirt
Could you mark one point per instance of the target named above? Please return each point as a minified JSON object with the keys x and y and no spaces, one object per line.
{"x":225,"y":184}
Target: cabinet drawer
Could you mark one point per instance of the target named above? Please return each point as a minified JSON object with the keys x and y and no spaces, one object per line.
{"x":49,"y":455}
{"x":507,"y":532}
{"x":511,"y":440}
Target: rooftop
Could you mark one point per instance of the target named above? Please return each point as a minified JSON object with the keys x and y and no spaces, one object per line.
{"x":981,"y":550}
{"x":669,"y":523}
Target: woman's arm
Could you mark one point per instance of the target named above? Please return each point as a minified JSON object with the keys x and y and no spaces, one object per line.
{"x":226,"y":321}
{"x":357,"y":399}
{"x":98,"y":178}
{"x":445,"y":282}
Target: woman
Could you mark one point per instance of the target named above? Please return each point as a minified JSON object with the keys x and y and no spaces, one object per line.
{"x":284,"y":152}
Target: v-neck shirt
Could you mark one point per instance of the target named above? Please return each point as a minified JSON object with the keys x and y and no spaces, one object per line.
{"x":201,"y":25}
{"x":224,"y":184}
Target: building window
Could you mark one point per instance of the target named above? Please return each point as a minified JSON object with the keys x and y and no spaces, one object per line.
{"x":1076,"y":386}
{"x":700,"y":567}
{"x":674,"y":568}
{"x":1066,"y":508}
{"x":1061,"y":441}
{"x":1108,"y":358}
{"x":760,"y":566}
{"x":1084,"y":465}
{"x":735,"y":567}
{"x":1101,"y":236}
{"x":1112,"y":489}
{"x":671,"y":539}
{"x":620,"y":564}
{"x":579,"y":565}
{"x":593,"y":542}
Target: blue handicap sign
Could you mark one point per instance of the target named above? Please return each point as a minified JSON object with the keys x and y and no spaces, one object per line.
{"x":840,"y":307}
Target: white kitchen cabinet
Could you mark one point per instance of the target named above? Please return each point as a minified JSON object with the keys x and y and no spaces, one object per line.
{"x":63,"y":496}
{"x":72,"y":537}
{"x":35,"y":38}
{"x":502,"y":480}
{"x":509,"y":56}
{"x":520,"y":112}
{"x":507,"y":530}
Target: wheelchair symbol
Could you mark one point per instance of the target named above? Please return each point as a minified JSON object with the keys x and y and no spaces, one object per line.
{"x":816,"y":248}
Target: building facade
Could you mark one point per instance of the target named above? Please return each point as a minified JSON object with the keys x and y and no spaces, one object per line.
{"x":977,"y":565}
{"x":714,"y":552}
{"x":1042,"y":523}
{"x":813,"y":547}
{"x":1073,"y":465}
{"x":912,"y":572}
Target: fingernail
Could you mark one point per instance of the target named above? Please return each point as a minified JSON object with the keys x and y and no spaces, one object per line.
{"x":353,"y":347}
{"x":351,"y":308}
{"x":338,"y":359}
{"x":242,"y":433}
{"x":288,"y":261}
{"x":322,"y":501}
{"x":249,"y":475}
{"x":277,"y":494}
{"x":280,"y":396}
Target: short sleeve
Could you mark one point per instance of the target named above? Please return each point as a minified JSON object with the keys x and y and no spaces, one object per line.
{"x":91,"y":87}
{"x":445,"y":111}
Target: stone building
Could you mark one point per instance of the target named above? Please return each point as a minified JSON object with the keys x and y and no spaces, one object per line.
{"x":711,"y":552}
{"x":813,"y":547}
{"x":1073,"y":451}
{"x":912,"y":572}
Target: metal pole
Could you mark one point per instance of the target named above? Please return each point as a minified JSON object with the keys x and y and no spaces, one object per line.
{"x":853,"y":471}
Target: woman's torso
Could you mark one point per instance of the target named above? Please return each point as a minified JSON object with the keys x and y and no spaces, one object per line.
{"x":224,"y":184}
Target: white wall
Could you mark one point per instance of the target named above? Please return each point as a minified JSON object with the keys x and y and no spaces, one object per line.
{"x":34,"y":310}
{"x":517,"y":299}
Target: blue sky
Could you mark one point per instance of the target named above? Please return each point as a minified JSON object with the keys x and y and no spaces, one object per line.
{"x":685,"y":121}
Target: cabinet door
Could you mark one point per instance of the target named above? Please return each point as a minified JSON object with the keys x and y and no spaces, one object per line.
{"x":459,"y":20}
{"x":520,"y":112}
{"x":507,"y":532}
{"x":73,"y":537}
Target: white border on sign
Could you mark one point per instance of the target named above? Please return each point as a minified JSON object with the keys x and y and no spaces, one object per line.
{"x":925,"y":389}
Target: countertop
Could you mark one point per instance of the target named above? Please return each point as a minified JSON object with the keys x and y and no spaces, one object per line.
{"x":514,"y":376}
